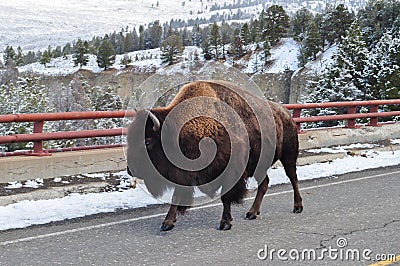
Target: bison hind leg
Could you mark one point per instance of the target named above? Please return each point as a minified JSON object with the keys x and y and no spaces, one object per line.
{"x":290,"y":169}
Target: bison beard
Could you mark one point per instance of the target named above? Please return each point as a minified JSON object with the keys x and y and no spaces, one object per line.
{"x":147,"y":159}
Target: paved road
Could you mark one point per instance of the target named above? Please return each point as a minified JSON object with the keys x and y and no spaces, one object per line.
{"x":363,"y":209}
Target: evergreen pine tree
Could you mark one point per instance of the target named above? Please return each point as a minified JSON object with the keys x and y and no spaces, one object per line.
{"x":311,"y":44}
{"x":19,"y":57}
{"x":135,"y":40}
{"x":67,"y":49}
{"x":255,"y":31}
{"x":236,"y":49}
{"x":128,"y":47}
{"x":266,"y":49}
{"x":106,"y":54}
{"x":80,"y":56}
{"x":126,"y":60}
{"x":245,"y":34}
{"x":261,"y":23}
{"x":205,"y":45}
{"x":225,"y":33}
{"x":46,"y":58}
{"x":171,"y":48}
{"x":299,"y":23}
{"x":256,"y":62}
{"x":276,"y":23}
{"x":57,"y":52}
{"x":120,"y":41}
{"x":168,"y":30}
{"x":350,"y":62}
{"x":377,"y":17}
{"x":185,"y":36}
{"x":196,"y":36}
{"x":344,"y":79}
{"x":215,"y":39}
{"x":112,"y":38}
{"x":9,"y":56}
{"x":26,"y":96}
{"x":95,"y":44}
{"x":155,"y":34}
{"x":141,"y":37}
{"x":337,"y":21}
{"x":382,"y":72}
{"x":29,"y":58}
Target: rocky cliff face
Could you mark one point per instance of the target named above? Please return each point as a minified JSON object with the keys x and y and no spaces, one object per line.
{"x":280,"y":87}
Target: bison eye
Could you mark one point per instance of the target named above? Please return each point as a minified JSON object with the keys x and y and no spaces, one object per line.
{"x":147,"y":142}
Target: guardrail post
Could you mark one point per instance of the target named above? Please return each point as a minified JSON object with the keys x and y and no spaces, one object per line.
{"x":38,"y":145}
{"x":374,"y":120}
{"x":297,"y":113}
{"x":351,"y":123}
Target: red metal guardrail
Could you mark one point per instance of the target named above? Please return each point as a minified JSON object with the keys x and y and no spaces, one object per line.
{"x":38,"y":136}
{"x":351,"y":115}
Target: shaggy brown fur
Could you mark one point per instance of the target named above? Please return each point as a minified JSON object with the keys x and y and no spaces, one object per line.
{"x":143,"y":141}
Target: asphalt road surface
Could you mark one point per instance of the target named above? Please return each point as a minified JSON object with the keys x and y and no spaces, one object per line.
{"x":351,"y":216}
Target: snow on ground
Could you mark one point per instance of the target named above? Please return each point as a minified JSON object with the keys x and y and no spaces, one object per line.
{"x":395,"y":141}
{"x":35,"y":24}
{"x":344,"y":149}
{"x":142,"y":61}
{"x":284,"y":56}
{"x":26,"y":213}
{"x":324,"y":60}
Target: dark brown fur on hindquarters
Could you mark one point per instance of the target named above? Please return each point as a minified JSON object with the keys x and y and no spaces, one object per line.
{"x":287,"y":150}
{"x":149,"y":142}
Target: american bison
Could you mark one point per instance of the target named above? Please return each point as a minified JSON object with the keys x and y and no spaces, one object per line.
{"x":205,"y":120}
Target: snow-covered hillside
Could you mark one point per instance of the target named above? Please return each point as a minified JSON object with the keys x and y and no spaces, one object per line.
{"x":142,"y":61}
{"x":35,"y":24}
{"x":63,"y":66}
{"x":283,"y":57}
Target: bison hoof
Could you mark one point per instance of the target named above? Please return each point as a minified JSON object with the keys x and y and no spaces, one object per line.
{"x":225,"y":226}
{"x":297,"y":209}
{"x":251,"y":215}
{"x":166,"y":227}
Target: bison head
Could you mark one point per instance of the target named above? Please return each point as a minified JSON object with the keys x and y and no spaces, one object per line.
{"x":145,"y":149}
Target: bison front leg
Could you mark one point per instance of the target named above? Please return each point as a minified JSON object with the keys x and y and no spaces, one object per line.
{"x":170,"y":219}
{"x":181,"y":200}
{"x":226,"y":219}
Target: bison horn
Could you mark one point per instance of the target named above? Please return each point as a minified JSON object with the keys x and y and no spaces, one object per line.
{"x":156,"y":122}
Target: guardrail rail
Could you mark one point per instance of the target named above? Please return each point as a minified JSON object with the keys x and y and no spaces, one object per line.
{"x":38,"y":136}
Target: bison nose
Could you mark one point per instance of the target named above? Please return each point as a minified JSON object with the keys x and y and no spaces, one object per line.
{"x":129,"y":171}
